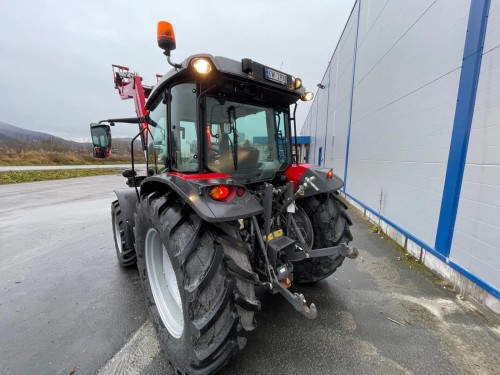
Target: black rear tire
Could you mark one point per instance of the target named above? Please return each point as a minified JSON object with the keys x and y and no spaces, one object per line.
{"x":125,"y":250}
{"x":215,"y":281}
{"x":330,"y":224}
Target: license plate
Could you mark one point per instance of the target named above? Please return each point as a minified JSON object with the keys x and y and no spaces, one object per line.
{"x":273,"y":75}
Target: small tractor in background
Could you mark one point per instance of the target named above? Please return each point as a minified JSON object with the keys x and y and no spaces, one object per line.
{"x":223,"y":208}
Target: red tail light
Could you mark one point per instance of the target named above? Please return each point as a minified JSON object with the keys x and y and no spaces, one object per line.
{"x":220,"y":192}
{"x":329,"y":174}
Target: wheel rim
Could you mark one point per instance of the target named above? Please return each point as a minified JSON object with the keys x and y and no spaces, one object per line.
{"x":118,"y":235}
{"x":163,"y":283}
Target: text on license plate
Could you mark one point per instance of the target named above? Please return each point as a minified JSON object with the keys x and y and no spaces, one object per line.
{"x":273,"y":75}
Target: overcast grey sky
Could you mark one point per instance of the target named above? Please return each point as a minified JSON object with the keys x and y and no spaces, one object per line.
{"x":56,"y":56}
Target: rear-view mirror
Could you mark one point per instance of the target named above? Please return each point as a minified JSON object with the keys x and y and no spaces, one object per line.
{"x":101,"y":140}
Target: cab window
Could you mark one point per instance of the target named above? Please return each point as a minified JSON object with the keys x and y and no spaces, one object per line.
{"x":158,"y":145}
{"x":184,"y":139}
{"x":249,"y":142}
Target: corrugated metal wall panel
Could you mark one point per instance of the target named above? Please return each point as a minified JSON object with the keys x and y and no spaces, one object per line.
{"x":407,"y":76}
{"x":476,"y":240}
{"x":304,"y":130}
{"x":332,"y":92}
{"x":407,"y":82}
{"x":313,"y":117}
{"x":387,"y":29}
{"x":341,"y":82}
{"x":493,"y":30}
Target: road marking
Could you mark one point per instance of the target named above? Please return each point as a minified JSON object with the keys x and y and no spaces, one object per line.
{"x":135,"y":355}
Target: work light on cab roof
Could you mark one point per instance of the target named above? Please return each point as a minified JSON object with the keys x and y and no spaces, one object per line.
{"x":201,"y":65}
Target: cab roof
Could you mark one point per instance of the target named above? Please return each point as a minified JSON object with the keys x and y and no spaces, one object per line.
{"x":245,"y":70}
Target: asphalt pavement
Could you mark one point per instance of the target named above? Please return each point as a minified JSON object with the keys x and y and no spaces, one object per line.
{"x":64,"y":303}
{"x":66,"y":307}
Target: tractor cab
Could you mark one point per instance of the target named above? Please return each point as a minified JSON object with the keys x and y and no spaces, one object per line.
{"x":215,"y":115}
{"x":220,"y":119}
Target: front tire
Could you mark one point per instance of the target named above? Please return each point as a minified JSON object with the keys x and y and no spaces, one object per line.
{"x":207,"y":300}
{"x":330,"y":225}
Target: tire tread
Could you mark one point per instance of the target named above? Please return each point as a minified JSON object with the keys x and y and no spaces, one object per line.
{"x":331,"y":227}
{"x":213,"y":293}
{"x":127,"y":257}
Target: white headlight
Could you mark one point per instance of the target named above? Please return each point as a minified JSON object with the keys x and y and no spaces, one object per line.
{"x":308,"y":95}
{"x":296,"y":84}
{"x":202,"y":66}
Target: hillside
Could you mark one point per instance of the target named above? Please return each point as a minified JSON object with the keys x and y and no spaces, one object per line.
{"x":10,"y":134}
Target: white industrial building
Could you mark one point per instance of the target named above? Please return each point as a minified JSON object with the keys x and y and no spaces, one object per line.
{"x":408,"y":114}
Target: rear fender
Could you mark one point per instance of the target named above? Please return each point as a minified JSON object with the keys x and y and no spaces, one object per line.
{"x":298,"y":174}
{"x":194,"y":190}
{"x":127,"y":199}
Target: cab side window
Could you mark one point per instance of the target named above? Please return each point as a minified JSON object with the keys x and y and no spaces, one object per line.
{"x":183,"y":127}
{"x":158,"y":146}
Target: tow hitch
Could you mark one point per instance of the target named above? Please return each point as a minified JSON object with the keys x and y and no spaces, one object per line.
{"x":295,"y":251}
{"x":297,"y":300}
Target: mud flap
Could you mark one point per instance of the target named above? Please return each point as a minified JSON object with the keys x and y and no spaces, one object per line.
{"x":127,"y":198}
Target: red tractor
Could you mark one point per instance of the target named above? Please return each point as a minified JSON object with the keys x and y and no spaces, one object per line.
{"x":223,"y":208}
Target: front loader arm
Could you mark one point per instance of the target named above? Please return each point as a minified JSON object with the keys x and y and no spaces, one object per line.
{"x":129,"y":86}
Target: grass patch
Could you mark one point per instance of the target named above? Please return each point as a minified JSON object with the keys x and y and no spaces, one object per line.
{"x":53,"y":153}
{"x":37,"y":157}
{"x":15,"y":177}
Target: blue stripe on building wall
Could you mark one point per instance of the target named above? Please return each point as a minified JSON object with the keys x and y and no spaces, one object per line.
{"x":352,"y":97}
{"x":467,"y":88}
